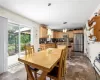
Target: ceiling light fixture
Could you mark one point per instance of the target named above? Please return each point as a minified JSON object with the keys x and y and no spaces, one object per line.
{"x":49,"y":30}
{"x":64,"y":30}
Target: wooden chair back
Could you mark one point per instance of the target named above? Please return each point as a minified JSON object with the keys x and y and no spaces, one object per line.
{"x":62,"y":63}
{"x":29,"y":49}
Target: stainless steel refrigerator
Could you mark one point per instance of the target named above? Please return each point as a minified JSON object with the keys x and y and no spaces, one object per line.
{"x":78,"y":42}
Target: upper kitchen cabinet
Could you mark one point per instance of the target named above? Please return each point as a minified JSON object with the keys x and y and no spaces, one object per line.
{"x":78,"y":31}
{"x":57,"y":34}
{"x":54,"y":34}
{"x":70,"y":34}
{"x":43,"y":31}
{"x":60,"y":34}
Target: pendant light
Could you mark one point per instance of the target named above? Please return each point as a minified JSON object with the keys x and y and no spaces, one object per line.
{"x":49,"y":30}
{"x":64,"y":30}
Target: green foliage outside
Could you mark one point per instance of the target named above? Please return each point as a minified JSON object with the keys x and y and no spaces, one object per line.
{"x":25,"y":39}
{"x":13,"y":40}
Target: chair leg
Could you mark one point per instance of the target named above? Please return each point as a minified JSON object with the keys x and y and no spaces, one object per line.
{"x":35,"y":74}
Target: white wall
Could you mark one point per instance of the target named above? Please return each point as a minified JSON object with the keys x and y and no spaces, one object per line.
{"x":3,"y":44}
{"x":91,"y":49}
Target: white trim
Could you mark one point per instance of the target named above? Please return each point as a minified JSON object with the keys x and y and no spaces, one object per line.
{"x":32,"y":36}
{"x":19,"y":42}
{"x":13,"y":22}
{"x":3,"y":45}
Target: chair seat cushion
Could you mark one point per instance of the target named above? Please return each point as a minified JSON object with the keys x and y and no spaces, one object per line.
{"x":34,"y":69}
{"x":54,"y":72}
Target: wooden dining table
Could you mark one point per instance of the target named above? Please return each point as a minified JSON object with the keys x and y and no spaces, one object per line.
{"x":44,"y":60}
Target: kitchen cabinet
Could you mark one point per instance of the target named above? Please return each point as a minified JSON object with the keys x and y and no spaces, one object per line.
{"x":54,"y":34}
{"x":78,"y":31}
{"x":43,"y":31}
{"x":60,"y":34}
{"x":57,"y":34}
{"x":70,"y":34}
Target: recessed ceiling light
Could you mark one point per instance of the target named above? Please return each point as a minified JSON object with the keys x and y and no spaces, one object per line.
{"x":64,"y":22}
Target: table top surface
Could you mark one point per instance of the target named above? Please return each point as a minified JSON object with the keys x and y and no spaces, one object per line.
{"x":42,"y":60}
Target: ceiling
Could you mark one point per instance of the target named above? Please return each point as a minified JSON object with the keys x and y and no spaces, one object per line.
{"x":74,"y":12}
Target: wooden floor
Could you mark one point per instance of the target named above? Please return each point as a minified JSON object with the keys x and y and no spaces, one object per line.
{"x":78,"y":68}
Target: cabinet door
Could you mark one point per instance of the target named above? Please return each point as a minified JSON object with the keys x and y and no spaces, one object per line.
{"x":60,"y":34}
{"x":43,"y":32}
{"x":57,"y":34}
{"x":71,"y":34}
{"x":97,"y":28}
{"x":40,"y":32}
{"x":54,"y":34}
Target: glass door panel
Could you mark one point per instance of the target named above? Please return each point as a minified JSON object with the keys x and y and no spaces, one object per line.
{"x":13,"y":43}
{"x":25,"y":38}
{"x":18,"y":37}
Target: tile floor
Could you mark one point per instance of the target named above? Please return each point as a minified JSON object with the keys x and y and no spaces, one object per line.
{"x":78,"y":68}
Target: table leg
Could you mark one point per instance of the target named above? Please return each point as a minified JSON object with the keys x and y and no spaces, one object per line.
{"x":43,"y":76}
{"x":29,"y":72}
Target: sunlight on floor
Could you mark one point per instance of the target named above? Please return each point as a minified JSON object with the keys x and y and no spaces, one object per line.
{"x":12,"y":60}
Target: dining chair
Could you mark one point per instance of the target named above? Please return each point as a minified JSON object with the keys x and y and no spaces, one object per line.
{"x":65,"y":49}
{"x":30,"y":50}
{"x":64,"y":62}
{"x":57,"y":72}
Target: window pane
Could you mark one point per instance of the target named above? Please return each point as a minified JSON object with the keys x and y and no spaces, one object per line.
{"x":13,"y":39}
{"x":25,"y":37}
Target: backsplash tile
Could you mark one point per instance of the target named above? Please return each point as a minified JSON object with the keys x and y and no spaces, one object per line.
{"x":45,"y":40}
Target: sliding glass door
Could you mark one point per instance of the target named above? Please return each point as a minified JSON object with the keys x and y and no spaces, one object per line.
{"x":18,"y":37}
{"x":25,"y":38}
{"x":13,"y":39}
